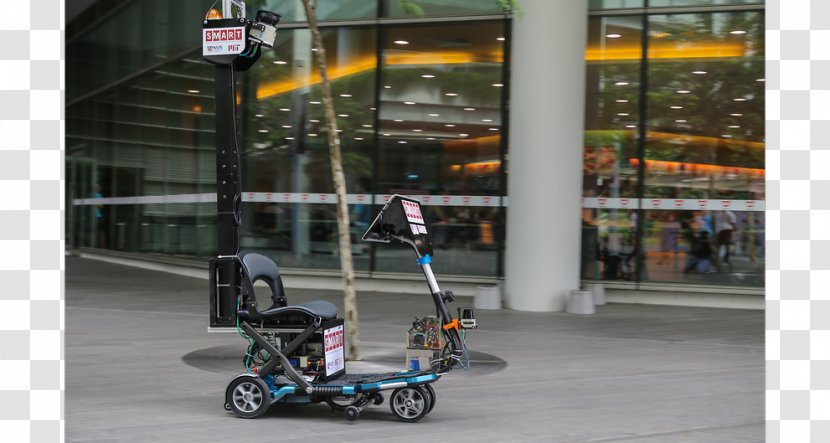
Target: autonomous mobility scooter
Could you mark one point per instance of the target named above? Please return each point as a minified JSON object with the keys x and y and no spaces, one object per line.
{"x":295,"y":353}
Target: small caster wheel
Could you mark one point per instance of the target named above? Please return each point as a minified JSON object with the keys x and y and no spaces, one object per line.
{"x":340,"y":403}
{"x":378,"y":400}
{"x":248,"y":396}
{"x":227,"y":407}
{"x":352,"y":413}
{"x":409,"y":404}
{"x":432,"y":397}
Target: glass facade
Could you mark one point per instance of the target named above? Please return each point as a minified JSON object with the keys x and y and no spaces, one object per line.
{"x":292,"y":10}
{"x":439,"y":134}
{"x":285,"y":148}
{"x":421,"y":111}
{"x":437,"y":8}
{"x":675,"y":139}
{"x":630,"y":4}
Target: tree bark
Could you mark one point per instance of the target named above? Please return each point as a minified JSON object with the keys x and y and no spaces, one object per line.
{"x":339,"y":180}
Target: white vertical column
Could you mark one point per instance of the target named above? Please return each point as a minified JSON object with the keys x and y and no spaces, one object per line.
{"x":547,"y":103}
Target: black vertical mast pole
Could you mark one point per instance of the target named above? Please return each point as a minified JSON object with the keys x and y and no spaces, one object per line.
{"x":228,"y":191}
{"x":231,"y":44}
{"x":227,"y":45}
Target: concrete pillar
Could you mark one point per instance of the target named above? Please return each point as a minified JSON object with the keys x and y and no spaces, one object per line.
{"x":547,"y":102}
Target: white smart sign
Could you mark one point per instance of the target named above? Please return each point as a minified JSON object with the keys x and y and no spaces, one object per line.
{"x":223,"y":41}
{"x":333,"y":341}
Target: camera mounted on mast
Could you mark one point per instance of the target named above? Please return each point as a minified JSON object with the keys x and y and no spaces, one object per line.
{"x":229,"y":36}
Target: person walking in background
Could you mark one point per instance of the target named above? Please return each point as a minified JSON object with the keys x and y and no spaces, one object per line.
{"x":726,"y":227}
{"x":669,"y":233}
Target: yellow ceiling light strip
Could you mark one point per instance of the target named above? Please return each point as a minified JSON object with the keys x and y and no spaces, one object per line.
{"x":269,"y":89}
{"x":429,"y":58}
{"x":634,"y":52}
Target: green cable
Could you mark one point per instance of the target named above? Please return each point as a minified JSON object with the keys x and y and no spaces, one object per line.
{"x":466,"y":350}
{"x":250,"y":340}
{"x":239,"y":305}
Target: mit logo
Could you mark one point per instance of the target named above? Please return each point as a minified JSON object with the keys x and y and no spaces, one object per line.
{"x":223,"y":35}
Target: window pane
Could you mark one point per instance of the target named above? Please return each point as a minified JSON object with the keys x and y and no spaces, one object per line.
{"x":440,"y":133}
{"x":138,"y":36}
{"x":285,"y":147}
{"x":627,"y":4}
{"x":705,"y":148}
{"x":706,"y":107}
{"x":614,"y":4}
{"x":664,"y":3}
{"x":612,"y":106}
{"x":292,"y":10}
{"x":433,"y":8}
{"x":299,"y":235}
{"x":705,"y":247}
{"x":608,"y":244}
{"x":151,"y":135}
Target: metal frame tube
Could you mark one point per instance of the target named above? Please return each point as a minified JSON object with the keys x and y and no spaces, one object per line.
{"x":275,"y":355}
{"x":433,"y":284}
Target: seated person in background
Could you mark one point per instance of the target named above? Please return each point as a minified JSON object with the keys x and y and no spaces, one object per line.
{"x":701,"y":256}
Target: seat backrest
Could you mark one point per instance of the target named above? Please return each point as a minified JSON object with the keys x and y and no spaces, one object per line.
{"x":260,"y":267}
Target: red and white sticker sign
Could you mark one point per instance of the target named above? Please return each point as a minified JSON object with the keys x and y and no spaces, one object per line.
{"x":333,"y":342}
{"x":413,"y":211}
{"x":223,"y":41}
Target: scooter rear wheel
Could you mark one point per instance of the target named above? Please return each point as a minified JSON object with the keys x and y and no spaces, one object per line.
{"x":432,"y":396}
{"x":248,"y":396}
{"x":409,"y":404}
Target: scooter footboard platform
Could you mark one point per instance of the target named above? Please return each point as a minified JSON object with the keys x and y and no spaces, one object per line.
{"x":357,"y":383}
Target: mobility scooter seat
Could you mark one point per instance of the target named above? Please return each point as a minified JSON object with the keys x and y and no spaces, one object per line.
{"x":259,"y":267}
{"x":318,"y":308}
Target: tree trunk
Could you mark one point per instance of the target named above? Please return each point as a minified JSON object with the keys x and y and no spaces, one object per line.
{"x":339,"y":180}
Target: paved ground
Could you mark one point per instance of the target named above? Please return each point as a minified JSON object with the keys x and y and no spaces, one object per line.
{"x":141,"y":367}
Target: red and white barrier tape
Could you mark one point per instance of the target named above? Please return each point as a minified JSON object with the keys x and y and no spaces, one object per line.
{"x":669,"y":204}
{"x":674,"y":204}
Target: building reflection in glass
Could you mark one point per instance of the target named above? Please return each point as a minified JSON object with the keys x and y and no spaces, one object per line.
{"x":704,"y":146}
{"x":440,"y":134}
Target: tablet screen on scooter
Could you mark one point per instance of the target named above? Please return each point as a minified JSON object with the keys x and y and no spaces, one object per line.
{"x":401,"y":219}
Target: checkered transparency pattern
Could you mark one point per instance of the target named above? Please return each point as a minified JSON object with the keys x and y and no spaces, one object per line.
{"x":798,"y":221}
{"x":31,"y":220}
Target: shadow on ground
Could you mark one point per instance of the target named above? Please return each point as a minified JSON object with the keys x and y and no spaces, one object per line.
{"x":227,"y":360}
